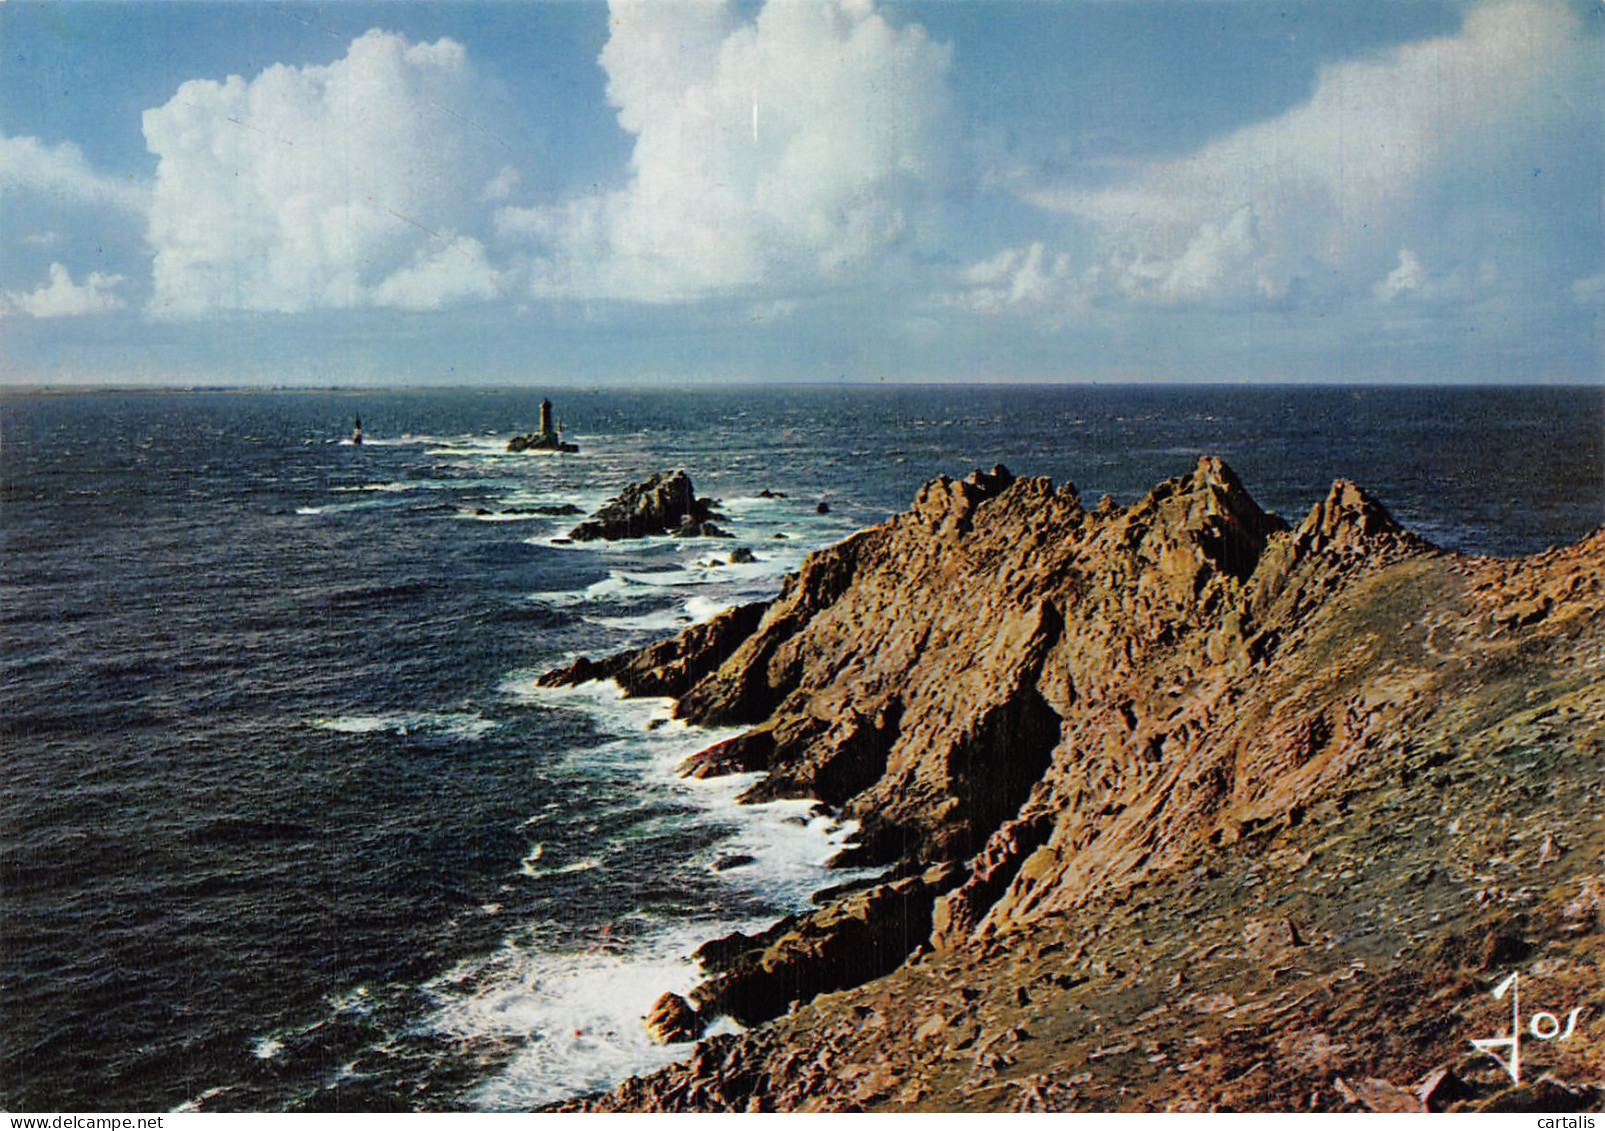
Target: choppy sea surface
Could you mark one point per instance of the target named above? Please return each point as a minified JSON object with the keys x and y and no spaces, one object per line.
{"x":286,"y":823}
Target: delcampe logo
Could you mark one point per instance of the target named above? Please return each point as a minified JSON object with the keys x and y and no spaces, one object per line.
{"x":1544,"y":1026}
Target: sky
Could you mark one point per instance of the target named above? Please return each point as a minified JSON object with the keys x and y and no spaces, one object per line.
{"x":545,"y":192}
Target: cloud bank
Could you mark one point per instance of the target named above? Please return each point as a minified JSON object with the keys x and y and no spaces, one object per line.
{"x":1314,"y":205}
{"x":802,"y":174}
{"x":346,"y":185}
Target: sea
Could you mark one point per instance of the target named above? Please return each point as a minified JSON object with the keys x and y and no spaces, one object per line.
{"x":287,"y":824}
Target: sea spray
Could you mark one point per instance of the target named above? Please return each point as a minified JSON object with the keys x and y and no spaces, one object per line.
{"x":573,"y":1010}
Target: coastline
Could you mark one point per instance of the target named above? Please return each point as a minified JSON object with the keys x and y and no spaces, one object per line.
{"x":1335,"y":634}
{"x":402,"y":557}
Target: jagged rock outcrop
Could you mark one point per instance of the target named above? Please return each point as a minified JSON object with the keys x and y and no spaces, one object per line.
{"x":662,"y":504}
{"x":1044,"y":712}
{"x":669,"y":667}
{"x":672,"y":1020}
{"x":865,"y":934}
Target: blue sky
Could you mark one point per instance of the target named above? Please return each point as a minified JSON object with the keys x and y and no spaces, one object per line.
{"x":1043,"y":190}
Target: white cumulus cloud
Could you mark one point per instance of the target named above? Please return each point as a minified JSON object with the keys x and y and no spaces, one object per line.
{"x":793,"y":147}
{"x":357,"y":183}
{"x":1412,"y":281}
{"x":62,"y":298}
{"x":1021,"y":279}
{"x":452,"y":273}
{"x":60,"y":172}
{"x":1326,"y":188}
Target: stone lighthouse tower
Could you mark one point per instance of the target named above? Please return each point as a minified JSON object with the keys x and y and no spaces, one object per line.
{"x":546,"y":440}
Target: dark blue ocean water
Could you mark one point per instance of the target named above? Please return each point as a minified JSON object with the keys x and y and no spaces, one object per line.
{"x":285,"y":823}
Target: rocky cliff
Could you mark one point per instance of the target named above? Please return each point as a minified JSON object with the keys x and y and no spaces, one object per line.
{"x":1182,"y":806}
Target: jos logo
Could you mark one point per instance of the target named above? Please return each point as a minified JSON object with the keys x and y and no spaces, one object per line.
{"x":1544,"y":1026}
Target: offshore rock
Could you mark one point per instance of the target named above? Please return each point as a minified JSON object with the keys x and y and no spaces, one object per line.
{"x":544,"y":440}
{"x":1144,"y":771}
{"x":540,"y":442}
{"x":663,"y":504}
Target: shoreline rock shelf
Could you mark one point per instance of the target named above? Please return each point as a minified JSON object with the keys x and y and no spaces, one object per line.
{"x":1182,"y":807}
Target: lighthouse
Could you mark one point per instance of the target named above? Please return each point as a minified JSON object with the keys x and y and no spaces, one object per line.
{"x":546,"y":440}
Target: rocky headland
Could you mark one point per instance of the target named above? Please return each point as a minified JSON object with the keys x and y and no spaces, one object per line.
{"x":662,"y":504}
{"x":1180,"y":806}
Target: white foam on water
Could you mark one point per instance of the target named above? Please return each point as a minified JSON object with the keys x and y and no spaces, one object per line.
{"x":632,"y":547}
{"x":576,"y":1013}
{"x":468,"y":446}
{"x":271,"y":1045}
{"x":501,"y":516}
{"x":365,"y":501}
{"x":465,"y":725}
{"x":667,"y":579}
{"x":572,"y":1015}
{"x":614,"y":587}
{"x":667,"y":620}
{"x":394,"y":488}
{"x":405,"y":440}
{"x":706,"y":608}
{"x":354,"y":1000}
{"x":714,"y":584}
{"x":199,"y":1102}
{"x":664,"y":621}
{"x":530,"y":866}
{"x":535,"y":872}
{"x":750,"y":504}
{"x":602,"y":700}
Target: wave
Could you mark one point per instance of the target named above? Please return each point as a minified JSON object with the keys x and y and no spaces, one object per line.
{"x":367,"y":501}
{"x":659,"y":623}
{"x":391,"y":488}
{"x":463,"y":725}
{"x":575,"y":1015}
{"x":536,"y":872}
{"x":487,"y":515}
{"x":577,"y":1007}
{"x":556,"y":1008}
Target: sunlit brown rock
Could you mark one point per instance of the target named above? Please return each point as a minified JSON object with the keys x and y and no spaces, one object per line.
{"x":1185,"y":806}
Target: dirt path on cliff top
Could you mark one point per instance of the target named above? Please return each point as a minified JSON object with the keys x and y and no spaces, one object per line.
{"x":1405,"y":759}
